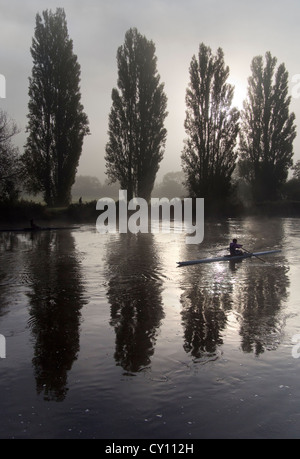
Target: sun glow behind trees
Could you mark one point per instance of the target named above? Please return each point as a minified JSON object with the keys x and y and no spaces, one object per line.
{"x":240,"y":91}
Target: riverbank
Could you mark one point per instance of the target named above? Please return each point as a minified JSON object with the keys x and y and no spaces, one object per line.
{"x":22,"y":212}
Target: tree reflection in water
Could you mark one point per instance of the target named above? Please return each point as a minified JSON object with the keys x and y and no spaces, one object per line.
{"x":253,"y":290}
{"x":134,"y":293}
{"x":56,"y":298}
{"x":260,"y":307}
{"x":203,"y":319}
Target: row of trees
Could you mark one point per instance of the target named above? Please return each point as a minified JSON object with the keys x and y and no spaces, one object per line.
{"x":259,"y":138}
{"x":265,"y":128}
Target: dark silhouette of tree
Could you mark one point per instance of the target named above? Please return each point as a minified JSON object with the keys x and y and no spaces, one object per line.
{"x":57,"y":124}
{"x":209,"y":156}
{"x":10,"y":167}
{"x":267,"y":130}
{"x":136,"y":122}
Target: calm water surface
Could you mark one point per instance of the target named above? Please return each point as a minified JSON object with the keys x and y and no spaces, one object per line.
{"x":107,"y":338}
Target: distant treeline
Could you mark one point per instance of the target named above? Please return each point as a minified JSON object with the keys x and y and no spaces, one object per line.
{"x":88,"y":188}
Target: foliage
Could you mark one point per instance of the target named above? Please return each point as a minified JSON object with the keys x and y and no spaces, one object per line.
{"x":209,"y":156}
{"x":10,"y":168}
{"x":296,"y":169}
{"x":57,"y":124}
{"x":291,"y":189}
{"x":171,"y":186}
{"x":136,"y":121}
{"x":267,"y":130}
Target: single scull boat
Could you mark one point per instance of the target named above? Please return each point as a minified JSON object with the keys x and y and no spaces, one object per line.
{"x":226,"y":258}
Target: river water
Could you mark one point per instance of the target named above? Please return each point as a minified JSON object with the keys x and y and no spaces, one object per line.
{"x":107,"y":338}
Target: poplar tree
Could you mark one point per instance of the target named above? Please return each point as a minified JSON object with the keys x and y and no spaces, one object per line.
{"x":57,"y":124}
{"x":136,"y":122}
{"x":209,"y":155}
{"x":267,"y":129}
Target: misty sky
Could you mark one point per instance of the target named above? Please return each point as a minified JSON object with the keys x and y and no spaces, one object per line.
{"x":177,"y":27}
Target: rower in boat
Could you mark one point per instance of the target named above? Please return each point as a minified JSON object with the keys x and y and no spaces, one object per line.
{"x":245,"y":254}
{"x":233,"y":248}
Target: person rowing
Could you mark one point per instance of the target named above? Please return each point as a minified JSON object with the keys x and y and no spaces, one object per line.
{"x":233,"y":247}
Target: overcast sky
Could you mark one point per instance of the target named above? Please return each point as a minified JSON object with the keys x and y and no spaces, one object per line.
{"x":177,"y":27}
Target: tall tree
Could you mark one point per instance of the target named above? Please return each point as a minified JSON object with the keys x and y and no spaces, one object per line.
{"x":212,"y":126}
{"x":57,"y":124}
{"x":267,"y":130}
{"x":136,"y":122}
{"x":10,"y":168}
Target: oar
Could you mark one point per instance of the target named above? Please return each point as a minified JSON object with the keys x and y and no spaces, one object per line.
{"x":254,"y":255}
